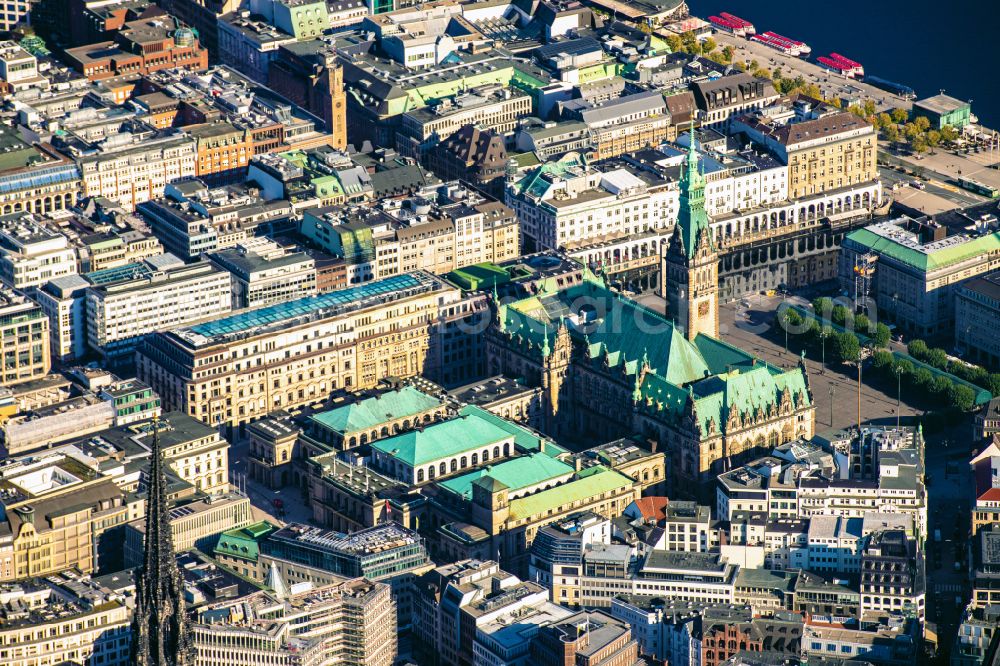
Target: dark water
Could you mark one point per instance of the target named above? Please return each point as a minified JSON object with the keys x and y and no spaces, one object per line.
{"x":925,"y":44}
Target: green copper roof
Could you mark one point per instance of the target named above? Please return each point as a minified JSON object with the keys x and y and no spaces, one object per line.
{"x":590,"y":483}
{"x":925,"y":260}
{"x":244,"y":542}
{"x":524,"y":439}
{"x":468,"y":432}
{"x":521,"y":472}
{"x":692,"y":219}
{"x":372,"y":412}
{"x":479,"y":276}
{"x":748,"y":391}
{"x":628,"y":332}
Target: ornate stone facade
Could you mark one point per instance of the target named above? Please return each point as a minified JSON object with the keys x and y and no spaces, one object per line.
{"x":610,"y":368}
{"x":691,"y":271}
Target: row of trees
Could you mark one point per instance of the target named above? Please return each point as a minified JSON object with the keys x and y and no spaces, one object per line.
{"x":918,"y":378}
{"x":896,"y":127}
{"x":845,"y":347}
{"x":842,"y":315}
{"x":938,"y":358}
{"x":708,"y":47}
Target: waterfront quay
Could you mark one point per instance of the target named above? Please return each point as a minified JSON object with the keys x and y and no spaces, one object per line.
{"x":832,"y":85}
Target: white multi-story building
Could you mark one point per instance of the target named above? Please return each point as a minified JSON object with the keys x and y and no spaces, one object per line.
{"x":19,"y":69}
{"x":124,"y":304}
{"x":264,"y":273}
{"x":566,"y":203}
{"x":63,"y":300}
{"x":134,"y":165}
{"x":32,"y":253}
{"x":834,"y":544}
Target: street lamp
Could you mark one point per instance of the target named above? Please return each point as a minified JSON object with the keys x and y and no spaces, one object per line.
{"x":833,"y":391}
{"x":899,"y":384}
{"x":823,"y":335}
{"x":862,"y":355}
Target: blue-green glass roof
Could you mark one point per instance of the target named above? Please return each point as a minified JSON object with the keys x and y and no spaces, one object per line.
{"x":340,"y":299}
{"x":119,"y":273}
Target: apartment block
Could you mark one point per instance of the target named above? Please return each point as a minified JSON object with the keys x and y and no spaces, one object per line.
{"x":349,"y":622}
{"x":923,"y":264}
{"x":264,"y":273}
{"x":192,"y":218}
{"x":439,"y":230}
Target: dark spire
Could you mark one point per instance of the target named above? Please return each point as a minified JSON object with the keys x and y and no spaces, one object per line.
{"x":159,"y":628}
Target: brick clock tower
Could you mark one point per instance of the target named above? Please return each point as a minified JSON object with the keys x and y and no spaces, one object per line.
{"x":691,"y":264}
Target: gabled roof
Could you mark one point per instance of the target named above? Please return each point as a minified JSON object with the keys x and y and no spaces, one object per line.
{"x":652,"y":508}
{"x":443,"y":440}
{"x":373,"y":412}
{"x":590,"y":483}
{"x":515,"y":474}
{"x":991,"y":495}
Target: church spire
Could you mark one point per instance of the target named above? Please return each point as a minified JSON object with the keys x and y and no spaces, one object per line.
{"x":692,"y":219}
{"x":159,"y":628}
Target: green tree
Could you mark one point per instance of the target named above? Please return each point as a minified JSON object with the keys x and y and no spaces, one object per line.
{"x":823,"y":306}
{"x":882,"y":360}
{"x":846,"y":347}
{"x":942,"y":385}
{"x":883,"y":120}
{"x":993,"y":383}
{"x":962,"y":397}
{"x":949,"y":133}
{"x":856,"y":110}
{"x":918,"y":349}
{"x":862,"y":324}
{"x":727,"y":53}
{"x":674,"y":43}
{"x":881,"y":335}
{"x":905,"y":368}
{"x":708,"y":45}
{"x":923,"y":379}
{"x":933,"y":138}
{"x":869,"y":107}
{"x":938,"y":358}
{"x":840,"y":315}
{"x":792,"y":318}
{"x":837,"y":102}
{"x":918,"y":144}
{"x":922,"y":123}
{"x":911,"y":131}
{"x":891,"y":133}
{"x":899,"y":115}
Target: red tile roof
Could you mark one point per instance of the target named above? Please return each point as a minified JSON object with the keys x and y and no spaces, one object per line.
{"x":654,"y":508}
